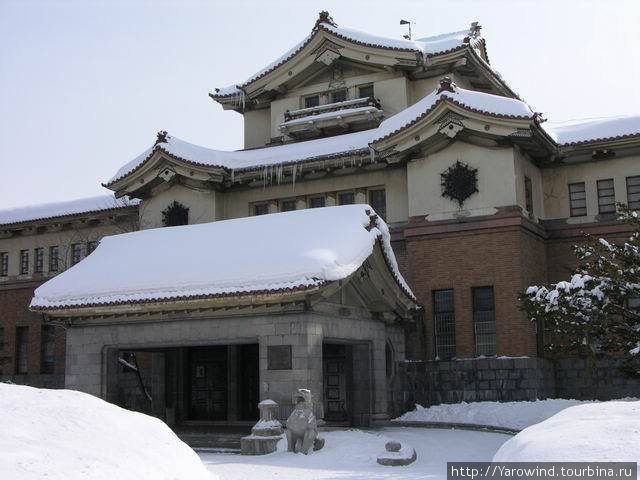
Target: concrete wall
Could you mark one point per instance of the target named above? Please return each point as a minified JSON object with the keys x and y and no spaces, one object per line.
{"x":524,"y":167}
{"x":557,"y":179}
{"x":237,"y":203}
{"x":257,"y":127}
{"x":496,"y":181}
{"x":204,"y":206}
{"x":88,"y":344}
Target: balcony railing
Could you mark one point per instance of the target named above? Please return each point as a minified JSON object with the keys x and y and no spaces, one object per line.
{"x":331,"y":107}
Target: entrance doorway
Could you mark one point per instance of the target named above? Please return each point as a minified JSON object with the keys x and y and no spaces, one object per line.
{"x":337,"y":381}
{"x":208,"y":383}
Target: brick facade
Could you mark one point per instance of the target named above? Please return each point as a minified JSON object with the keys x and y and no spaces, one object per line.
{"x":14,"y":313}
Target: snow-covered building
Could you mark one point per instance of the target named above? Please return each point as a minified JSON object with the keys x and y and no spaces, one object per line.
{"x":475,"y":197}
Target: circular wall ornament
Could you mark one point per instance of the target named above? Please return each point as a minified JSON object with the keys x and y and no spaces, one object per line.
{"x":459,"y":182}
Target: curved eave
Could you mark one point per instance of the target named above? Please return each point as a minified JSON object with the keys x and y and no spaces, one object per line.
{"x":448,"y":101}
{"x":66,"y":217}
{"x":182,"y":302}
{"x":119,"y":182}
{"x":603,"y":142}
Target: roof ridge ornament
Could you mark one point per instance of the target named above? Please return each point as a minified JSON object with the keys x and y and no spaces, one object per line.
{"x":162,"y":137}
{"x":446,"y":85}
{"x":324,"y":17}
{"x":474,"y":32}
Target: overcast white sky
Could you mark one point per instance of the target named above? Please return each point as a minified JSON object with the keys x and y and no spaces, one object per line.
{"x":85,"y":86}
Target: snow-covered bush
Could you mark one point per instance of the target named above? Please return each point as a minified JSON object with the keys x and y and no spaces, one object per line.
{"x":68,"y":435}
{"x":598,"y":309}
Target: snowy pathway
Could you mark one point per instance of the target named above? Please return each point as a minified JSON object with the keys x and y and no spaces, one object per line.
{"x":351,"y":455}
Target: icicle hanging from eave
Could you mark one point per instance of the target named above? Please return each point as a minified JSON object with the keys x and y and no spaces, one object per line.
{"x":372,"y":154}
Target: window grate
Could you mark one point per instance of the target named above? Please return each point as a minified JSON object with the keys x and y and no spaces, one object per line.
{"x":47,"y":348}
{"x":606,"y":196}
{"x":38,"y":260}
{"x":76,"y":253}
{"x":260,"y":209}
{"x":633,"y":192}
{"x":4,"y":264}
{"x":53,"y":258}
{"x":445,"y":324}
{"x":577,"y":199}
{"x":378,"y":200}
{"x":484,"y":321}
{"x":528,"y":195}
{"x":287,"y":205}
{"x":24,"y":262}
{"x":346,"y":198}
{"x":316,"y":202}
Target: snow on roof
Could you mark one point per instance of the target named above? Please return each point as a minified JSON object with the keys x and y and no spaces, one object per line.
{"x":339,"y":145}
{"x":247,"y":159}
{"x":593,"y":130}
{"x":346,"y":112}
{"x":298,"y":250}
{"x":469,"y":99}
{"x":427,"y":46}
{"x":63,"y":209}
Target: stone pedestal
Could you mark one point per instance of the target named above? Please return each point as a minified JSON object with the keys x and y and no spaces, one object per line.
{"x":397,"y":455}
{"x":265,"y":434}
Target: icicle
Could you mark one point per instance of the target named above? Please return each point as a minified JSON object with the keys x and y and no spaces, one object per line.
{"x":233,"y":177}
{"x":372,"y":154}
{"x":293,"y":175}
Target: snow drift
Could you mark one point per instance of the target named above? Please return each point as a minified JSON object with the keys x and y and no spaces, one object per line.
{"x":596,"y":432}
{"x":68,"y":435}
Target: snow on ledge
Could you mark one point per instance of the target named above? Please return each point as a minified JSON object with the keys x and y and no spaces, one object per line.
{"x":585,"y":131}
{"x":292,"y":250}
{"x":63,"y":209}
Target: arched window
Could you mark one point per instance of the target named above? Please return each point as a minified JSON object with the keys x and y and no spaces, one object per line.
{"x":175,"y":214}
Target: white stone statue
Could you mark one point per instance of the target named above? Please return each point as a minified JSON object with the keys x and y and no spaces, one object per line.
{"x":302,"y":426}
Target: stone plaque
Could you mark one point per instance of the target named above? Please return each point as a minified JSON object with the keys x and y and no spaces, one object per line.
{"x":279,"y":357}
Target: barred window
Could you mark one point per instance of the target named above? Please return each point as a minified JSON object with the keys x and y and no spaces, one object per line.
{"x":261,"y":209}
{"x":339,"y":96}
{"x":24,"y":262}
{"x":76,"y":253}
{"x":346,"y":198}
{"x":577,"y":199}
{"x":287,"y":205}
{"x":91,"y":246}
{"x":47,"y":348}
{"x":4,"y":264}
{"x":633,"y":192}
{"x":445,"y":324}
{"x":484,"y":321}
{"x":378,"y":200}
{"x":312,"y":101}
{"x":528,"y":195}
{"x":366,"y":91}
{"x":53,"y":258}
{"x":606,"y":196}
{"x":38,"y":260}
{"x":22,"y":349}
{"x":316,"y":202}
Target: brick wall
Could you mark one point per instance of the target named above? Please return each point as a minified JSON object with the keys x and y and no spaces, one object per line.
{"x":14,"y":312}
{"x":509,"y":259}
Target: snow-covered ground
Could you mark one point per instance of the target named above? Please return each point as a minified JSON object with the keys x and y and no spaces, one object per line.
{"x":67,"y":435}
{"x":515,"y":415}
{"x":351,"y":455}
{"x":597,"y":432}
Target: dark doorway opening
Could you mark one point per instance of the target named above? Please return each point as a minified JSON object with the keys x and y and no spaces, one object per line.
{"x":336,"y":367}
{"x":208,"y":383}
{"x":248,"y":382}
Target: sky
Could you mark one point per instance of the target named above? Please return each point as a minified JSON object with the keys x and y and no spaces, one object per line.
{"x":85,"y":85}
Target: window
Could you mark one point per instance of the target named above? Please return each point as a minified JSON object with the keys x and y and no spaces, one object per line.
{"x":24,"y":262}
{"x":38,"y":260}
{"x":91,"y":246}
{"x":175,"y":214}
{"x":316,"y":202}
{"x":633,"y":192}
{"x":606,"y":196}
{"x":378,"y":200}
{"x":339,"y":96}
{"x":22,"y":349}
{"x":444,"y":323}
{"x":528,"y":195}
{"x":313,"y":101}
{"x":484,"y":321}
{"x":577,"y":200}
{"x":287,"y":205}
{"x":346,"y":198}
{"x":365,"y":91}
{"x":76,"y":253}
{"x":47,"y":348}
{"x":53,"y":258}
{"x":4,"y":264}
{"x":261,"y":209}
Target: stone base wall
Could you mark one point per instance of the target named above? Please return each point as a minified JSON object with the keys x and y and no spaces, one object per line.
{"x":507,"y":379}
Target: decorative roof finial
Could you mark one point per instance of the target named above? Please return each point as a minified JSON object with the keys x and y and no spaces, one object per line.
{"x":324,"y":17}
{"x":475,"y":29}
{"x":162,"y":137}
{"x":446,"y":85}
